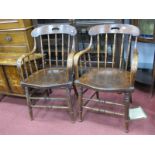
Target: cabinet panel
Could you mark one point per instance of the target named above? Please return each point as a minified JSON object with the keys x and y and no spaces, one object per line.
{"x":13,"y":79}
{"x":3,"y":83}
{"x":14,"y":49}
{"x":14,"y":23}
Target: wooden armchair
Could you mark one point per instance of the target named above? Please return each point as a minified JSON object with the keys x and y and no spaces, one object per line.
{"x":105,"y":66}
{"x":55,"y":68}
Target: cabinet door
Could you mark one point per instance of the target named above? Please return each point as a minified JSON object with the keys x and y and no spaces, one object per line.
{"x":3,"y":83}
{"x":14,"y":79}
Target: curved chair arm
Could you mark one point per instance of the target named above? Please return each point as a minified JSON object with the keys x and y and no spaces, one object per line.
{"x":70,"y":64}
{"x":77,"y":58}
{"x":24,"y":61}
{"x":134,"y":65}
{"x":20,"y":60}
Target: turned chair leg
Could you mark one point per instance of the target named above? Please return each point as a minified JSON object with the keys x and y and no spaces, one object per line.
{"x":50,"y":91}
{"x":97,"y":94}
{"x":70,"y":104}
{"x":80,"y":103}
{"x":130,"y":94}
{"x":75,"y":90}
{"x":127,"y":103}
{"x":29,"y":103}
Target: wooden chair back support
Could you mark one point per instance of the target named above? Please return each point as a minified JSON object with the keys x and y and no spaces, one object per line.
{"x":110,"y":46}
{"x":56,"y":42}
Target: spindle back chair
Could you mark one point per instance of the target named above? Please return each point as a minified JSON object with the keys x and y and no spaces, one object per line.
{"x":108,"y":65}
{"x":57,"y":45}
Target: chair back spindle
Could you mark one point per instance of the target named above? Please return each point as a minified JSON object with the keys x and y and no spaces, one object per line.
{"x":98,"y":51}
{"x":35,"y":63}
{"x":49,"y":50}
{"x":115,"y":51}
{"x":63,"y":50}
{"x":25,"y":68}
{"x":69,"y":38}
{"x":106,"y":48}
{"x":121,"y":53}
{"x":30,"y":65}
{"x":58,"y":45}
{"x":128,"y":51}
{"x":42,"y":52}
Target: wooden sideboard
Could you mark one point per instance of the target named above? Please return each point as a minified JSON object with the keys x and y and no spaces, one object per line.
{"x":15,"y":40}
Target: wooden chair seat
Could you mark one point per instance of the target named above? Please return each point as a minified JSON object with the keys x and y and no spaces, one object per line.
{"x":108,"y":79}
{"x":47,"y":78}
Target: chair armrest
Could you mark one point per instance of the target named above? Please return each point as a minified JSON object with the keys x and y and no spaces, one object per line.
{"x":70,"y":64}
{"x":25,"y":57}
{"x":19,"y":63}
{"x":20,"y":60}
{"x":76,"y":60}
{"x":23,"y":60}
{"x":134,"y":65}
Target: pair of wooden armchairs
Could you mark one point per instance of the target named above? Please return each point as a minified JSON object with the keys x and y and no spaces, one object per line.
{"x":104,"y":66}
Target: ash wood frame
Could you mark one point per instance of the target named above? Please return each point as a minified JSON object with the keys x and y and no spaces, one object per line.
{"x":96,"y":31}
{"x":25,"y":68}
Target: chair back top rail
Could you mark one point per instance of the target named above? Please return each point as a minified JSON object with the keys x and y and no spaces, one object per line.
{"x":54,"y":29}
{"x":115,"y":28}
{"x":63,"y":32}
{"x":111,"y":43}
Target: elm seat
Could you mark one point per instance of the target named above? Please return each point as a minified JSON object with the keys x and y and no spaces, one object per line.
{"x":47,"y":78}
{"x":111,"y":79}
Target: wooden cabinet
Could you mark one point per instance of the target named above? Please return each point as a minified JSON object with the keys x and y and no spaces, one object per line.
{"x":3,"y":82}
{"x":15,"y":23}
{"x":15,"y":40}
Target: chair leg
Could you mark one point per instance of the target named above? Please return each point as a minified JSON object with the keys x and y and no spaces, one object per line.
{"x":29,"y":103}
{"x":127,"y":103}
{"x":49,"y":91}
{"x":75,"y":90}
{"x":97,"y":94}
{"x":80,"y":102}
{"x":70,"y":105}
{"x":130,"y":97}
